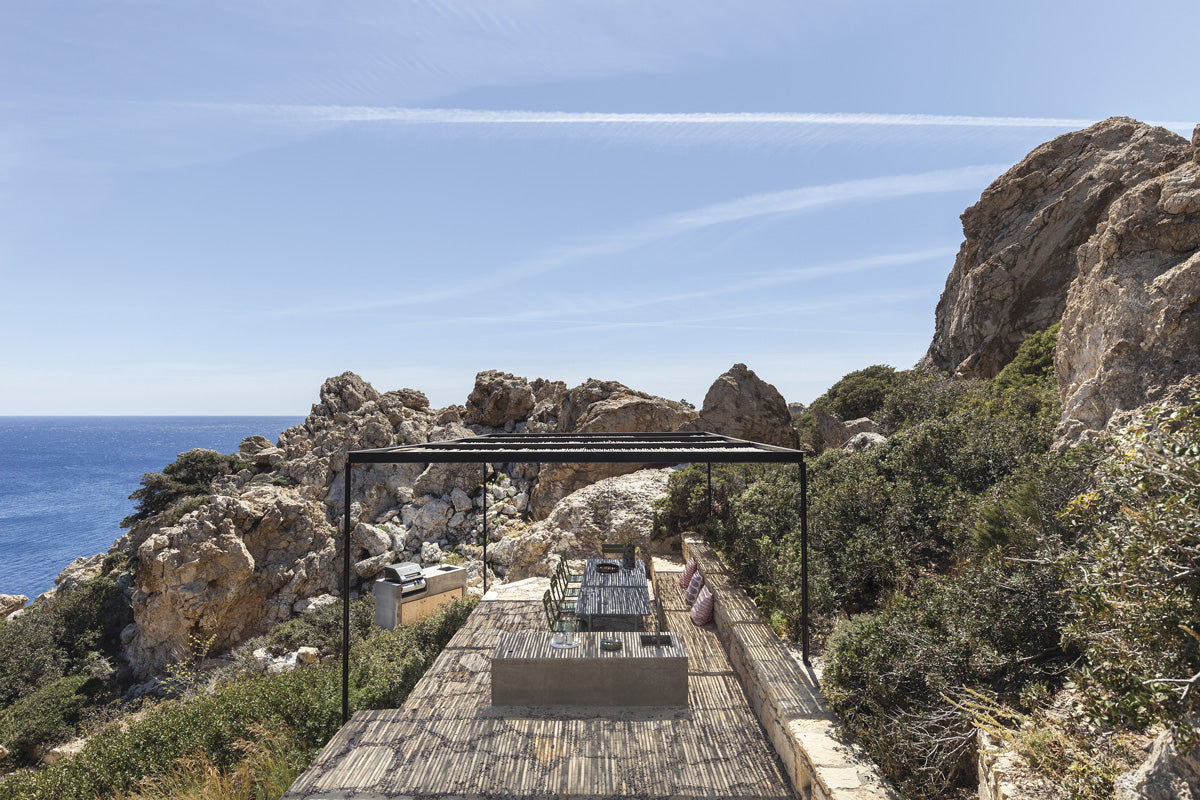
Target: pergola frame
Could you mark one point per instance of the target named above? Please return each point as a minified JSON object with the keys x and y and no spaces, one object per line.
{"x":574,"y":448}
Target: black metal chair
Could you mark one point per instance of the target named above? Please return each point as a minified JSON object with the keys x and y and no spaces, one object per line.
{"x":612,"y":550}
{"x":562,"y":579}
{"x":573,"y":578}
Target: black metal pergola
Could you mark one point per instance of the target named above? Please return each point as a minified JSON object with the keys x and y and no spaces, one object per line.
{"x":574,"y":448}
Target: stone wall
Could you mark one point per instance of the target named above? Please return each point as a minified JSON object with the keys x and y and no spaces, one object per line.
{"x":784,"y":695}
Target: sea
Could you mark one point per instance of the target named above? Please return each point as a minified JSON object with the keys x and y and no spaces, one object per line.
{"x":65,"y":482}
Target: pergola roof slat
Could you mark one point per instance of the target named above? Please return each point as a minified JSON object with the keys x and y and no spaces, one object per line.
{"x":648,"y":448}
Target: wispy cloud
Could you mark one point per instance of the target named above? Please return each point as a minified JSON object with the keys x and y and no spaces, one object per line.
{"x":742,"y":209}
{"x":340,"y":114}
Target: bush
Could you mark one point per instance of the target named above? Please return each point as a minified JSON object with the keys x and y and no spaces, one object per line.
{"x":1136,"y":583}
{"x":889,"y":675}
{"x":858,"y":394}
{"x":61,"y":635}
{"x":305,"y":702}
{"x":50,"y":715}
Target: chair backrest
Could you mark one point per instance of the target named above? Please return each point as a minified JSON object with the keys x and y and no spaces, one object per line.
{"x":658,"y":609}
{"x":548,"y":606}
{"x":612,"y":549}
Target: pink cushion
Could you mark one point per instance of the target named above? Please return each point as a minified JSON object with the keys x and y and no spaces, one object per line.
{"x":685,"y":577}
{"x":702,"y":611}
{"x":694,"y":587}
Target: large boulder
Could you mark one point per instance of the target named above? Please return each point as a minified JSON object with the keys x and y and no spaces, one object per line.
{"x":602,"y":407}
{"x":1131,"y":331}
{"x":742,"y":405}
{"x":619,"y":508}
{"x":229,"y":570}
{"x":10,"y":603}
{"x":498,"y":399}
{"x":1012,"y":272}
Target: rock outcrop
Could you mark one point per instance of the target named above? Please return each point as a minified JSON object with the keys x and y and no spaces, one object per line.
{"x":1167,"y":774}
{"x":1131,"y":331}
{"x":602,"y":407}
{"x":1098,"y":229}
{"x":1012,"y":272}
{"x":10,"y":603}
{"x":744,"y":406}
{"x":498,"y":399}
{"x":613,"y":509}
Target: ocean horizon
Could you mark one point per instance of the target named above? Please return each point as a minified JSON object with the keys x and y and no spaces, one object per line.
{"x":65,"y":481}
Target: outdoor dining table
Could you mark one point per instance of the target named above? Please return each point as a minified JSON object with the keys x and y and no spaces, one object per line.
{"x":609,"y":595}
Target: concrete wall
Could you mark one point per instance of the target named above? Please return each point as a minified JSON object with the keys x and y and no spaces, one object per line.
{"x":784,"y":694}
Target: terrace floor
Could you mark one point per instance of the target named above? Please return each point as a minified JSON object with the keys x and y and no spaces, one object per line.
{"x":449,"y":742}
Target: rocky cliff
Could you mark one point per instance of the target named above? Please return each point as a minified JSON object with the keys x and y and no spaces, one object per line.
{"x":265,"y":545}
{"x":1097,"y":229}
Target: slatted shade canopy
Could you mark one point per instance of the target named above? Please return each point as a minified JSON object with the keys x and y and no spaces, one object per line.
{"x":684,"y":447}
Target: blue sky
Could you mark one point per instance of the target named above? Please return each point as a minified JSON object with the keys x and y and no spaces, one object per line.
{"x":208,"y":208}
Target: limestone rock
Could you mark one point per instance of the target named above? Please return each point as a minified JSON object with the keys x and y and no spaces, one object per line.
{"x":252,"y":445}
{"x":78,"y":571}
{"x":1131,"y":331}
{"x":602,"y":407}
{"x":1012,"y":272}
{"x":616,"y":508}
{"x":1166,"y":775}
{"x":231,"y":569}
{"x":498,"y":398}
{"x":864,"y":440}
{"x":744,"y":406}
{"x":10,"y":603}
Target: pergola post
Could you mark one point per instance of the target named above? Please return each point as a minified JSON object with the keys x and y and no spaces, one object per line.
{"x":485,"y":537}
{"x":346,"y":600}
{"x":804,"y":560}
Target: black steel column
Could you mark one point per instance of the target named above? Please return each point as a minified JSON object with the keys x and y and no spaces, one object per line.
{"x":804,"y":559}
{"x":485,"y":496}
{"x":346,"y":601}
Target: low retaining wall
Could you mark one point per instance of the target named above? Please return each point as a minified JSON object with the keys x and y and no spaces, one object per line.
{"x":784,"y":695}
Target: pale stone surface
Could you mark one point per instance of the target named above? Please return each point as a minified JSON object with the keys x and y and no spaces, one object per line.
{"x":1012,"y":272}
{"x":863,"y":441}
{"x":1131,"y":332}
{"x":78,"y":571}
{"x":57,"y":754}
{"x":742,"y":405}
{"x":618,"y":508}
{"x":1166,"y":775}
{"x":10,"y":603}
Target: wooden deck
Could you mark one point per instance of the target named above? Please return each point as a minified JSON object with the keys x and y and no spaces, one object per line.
{"x":449,"y":742}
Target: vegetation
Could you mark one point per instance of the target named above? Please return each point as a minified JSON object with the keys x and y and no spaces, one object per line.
{"x":188,"y":479}
{"x":252,"y":735}
{"x":963,"y":559}
{"x":859,"y":394}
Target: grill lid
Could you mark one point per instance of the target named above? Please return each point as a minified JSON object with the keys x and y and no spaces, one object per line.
{"x":404,"y":572}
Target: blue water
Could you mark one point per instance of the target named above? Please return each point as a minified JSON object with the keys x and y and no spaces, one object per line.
{"x":65,"y":481}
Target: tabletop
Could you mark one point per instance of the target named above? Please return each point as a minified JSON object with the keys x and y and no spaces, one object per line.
{"x":624,"y":593}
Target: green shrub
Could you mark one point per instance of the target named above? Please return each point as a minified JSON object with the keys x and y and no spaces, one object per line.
{"x":50,"y":715}
{"x":60,"y":635}
{"x":305,"y":702}
{"x":322,"y":628}
{"x":1136,"y":582}
{"x":889,"y":674}
{"x":858,"y":394}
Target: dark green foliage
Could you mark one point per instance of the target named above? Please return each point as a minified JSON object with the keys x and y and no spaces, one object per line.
{"x":996,"y":625}
{"x":1136,"y":582}
{"x":61,"y":636}
{"x":306,"y":702}
{"x":190,"y":475}
{"x":858,"y":394}
{"x":322,"y":628}
{"x":1033,"y":363}
{"x":49,"y":715}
